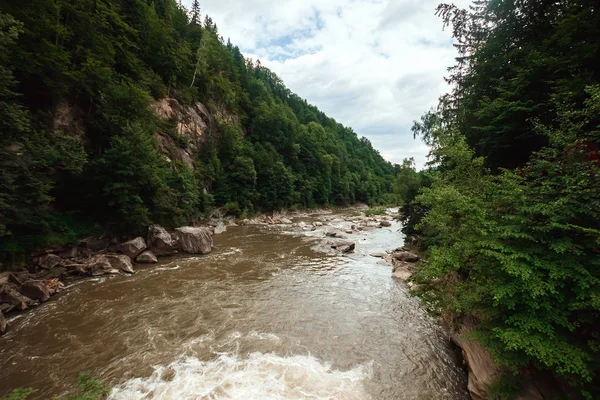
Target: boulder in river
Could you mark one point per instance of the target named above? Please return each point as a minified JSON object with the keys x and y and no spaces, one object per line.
{"x":35,"y":290}
{"x":378,"y":255}
{"x":3,"y":324}
{"x":385,"y":224}
{"x":133,"y":247}
{"x":101,"y":265}
{"x":344,"y":246}
{"x":194,"y":240}
{"x":335,"y":234}
{"x":406,"y":256}
{"x":160,"y":242}
{"x":147,"y":257}
{"x":120,"y":262}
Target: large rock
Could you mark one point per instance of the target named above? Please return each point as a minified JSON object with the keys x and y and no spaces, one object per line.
{"x":194,"y":240}
{"x":133,"y":248}
{"x":11,"y":299}
{"x":335,"y":234}
{"x":385,"y":224}
{"x":120,"y":262}
{"x":10,"y":277}
{"x":378,"y":255}
{"x":482,"y":369}
{"x":147,"y":257}
{"x":160,"y":241}
{"x":406,"y":256}
{"x":48,"y":261}
{"x":101,"y":265}
{"x":35,"y":290}
{"x":401,"y":271}
{"x":3,"y":324}
{"x":344,"y":246}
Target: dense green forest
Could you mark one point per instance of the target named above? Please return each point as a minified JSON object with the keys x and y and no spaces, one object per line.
{"x":106,"y":61}
{"x":509,"y":208}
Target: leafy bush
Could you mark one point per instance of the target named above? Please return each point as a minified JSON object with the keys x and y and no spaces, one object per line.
{"x":375,"y":211}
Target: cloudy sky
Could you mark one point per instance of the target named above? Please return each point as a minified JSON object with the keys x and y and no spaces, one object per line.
{"x":373,"y":65}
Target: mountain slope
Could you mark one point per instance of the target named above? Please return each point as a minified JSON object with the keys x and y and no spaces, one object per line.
{"x":120,"y":113}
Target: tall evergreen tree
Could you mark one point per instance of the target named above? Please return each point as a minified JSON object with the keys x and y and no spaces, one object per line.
{"x":195,"y":12}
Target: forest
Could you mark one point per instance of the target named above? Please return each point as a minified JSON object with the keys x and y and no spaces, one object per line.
{"x":107,"y":61}
{"x":508,"y":209}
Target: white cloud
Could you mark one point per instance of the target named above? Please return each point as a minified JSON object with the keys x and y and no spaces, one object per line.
{"x":374,"y":65}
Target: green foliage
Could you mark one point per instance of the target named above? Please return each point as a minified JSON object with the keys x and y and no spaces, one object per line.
{"x":375,"y":211}
{"x":89,"y":388}
{"x":517,"y":249}
{"x":19,"y":394}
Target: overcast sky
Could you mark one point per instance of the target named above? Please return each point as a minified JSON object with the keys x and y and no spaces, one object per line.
{"x":373,"y":65}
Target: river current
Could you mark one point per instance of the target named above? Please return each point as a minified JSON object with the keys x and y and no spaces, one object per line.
{"x":264,"y":316}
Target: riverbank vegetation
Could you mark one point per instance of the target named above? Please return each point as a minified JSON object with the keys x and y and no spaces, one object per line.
{"x":88,"y":387}
{"x":509,"y":208}
{"x":80,"y":151}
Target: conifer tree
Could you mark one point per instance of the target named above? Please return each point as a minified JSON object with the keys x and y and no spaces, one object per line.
{"x":195,"y":12}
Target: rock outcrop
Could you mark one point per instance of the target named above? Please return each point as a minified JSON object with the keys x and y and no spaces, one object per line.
{"x":160,"y":242}
{"x":132,"y":248}
{"x":147,"y":257}
{"x":194,"y":240}
{"x":193,"y":124}
{"x":120,"y":262}
{"x":482,"y":369}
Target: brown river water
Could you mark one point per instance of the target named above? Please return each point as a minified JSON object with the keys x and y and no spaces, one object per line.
{"x":263,"y":316}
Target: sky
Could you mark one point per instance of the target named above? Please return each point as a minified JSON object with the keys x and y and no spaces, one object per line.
{"x":373,"y":65}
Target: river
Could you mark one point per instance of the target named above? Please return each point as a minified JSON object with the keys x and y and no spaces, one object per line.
{"x":264,"y":316}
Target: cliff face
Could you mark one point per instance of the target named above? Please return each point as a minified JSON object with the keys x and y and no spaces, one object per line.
{"x":193,"y":125}
{"x":484,"y":371}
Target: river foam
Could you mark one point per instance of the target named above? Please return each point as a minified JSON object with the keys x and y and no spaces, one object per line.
{"x":259,"y":376}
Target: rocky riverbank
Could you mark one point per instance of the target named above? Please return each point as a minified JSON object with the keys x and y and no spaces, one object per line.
{"x":49,"y":272}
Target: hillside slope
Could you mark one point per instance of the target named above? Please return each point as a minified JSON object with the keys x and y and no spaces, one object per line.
{"x":115,"y":114}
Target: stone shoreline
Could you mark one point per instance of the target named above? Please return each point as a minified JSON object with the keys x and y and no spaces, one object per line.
{"x":49,"y":271}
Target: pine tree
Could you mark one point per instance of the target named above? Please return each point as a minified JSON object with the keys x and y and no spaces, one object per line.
{"x":195,"y":12}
